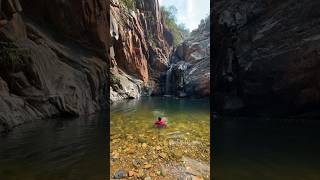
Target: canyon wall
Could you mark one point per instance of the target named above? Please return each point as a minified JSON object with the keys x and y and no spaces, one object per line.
{"x":140,"y":50}
{"x":190,"y":64}
{"x":54,"y":59}
{"x":266,"y":56}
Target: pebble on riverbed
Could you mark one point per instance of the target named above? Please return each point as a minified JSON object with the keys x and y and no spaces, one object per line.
{"x":131,"y":173}
{"x":141,"y":173}
{"x":147,"y":178}
{"x":120,"y":174}
{"x":136,"y":163}
{"x":147,"y":166}
{"x":141,"y":140}
{"x":158,"y":157}
{"x":163,"y":171}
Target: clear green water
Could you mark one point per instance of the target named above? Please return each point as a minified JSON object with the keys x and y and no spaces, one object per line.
{"x":133,"y":136}
{"x":55,"y":149}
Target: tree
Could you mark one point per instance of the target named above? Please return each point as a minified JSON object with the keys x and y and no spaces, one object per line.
{"x":184,"y":30}
{"x":169,"y":18}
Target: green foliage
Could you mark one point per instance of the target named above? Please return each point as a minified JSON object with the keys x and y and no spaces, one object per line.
{"x":169,"y":18}
{"x":130,"y":4}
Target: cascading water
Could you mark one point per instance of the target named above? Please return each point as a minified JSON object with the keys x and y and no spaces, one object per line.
{"x":168,"y":77}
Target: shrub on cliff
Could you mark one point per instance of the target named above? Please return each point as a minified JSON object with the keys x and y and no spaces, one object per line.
{"x":169,"y":18}
{"x":130,"y":4}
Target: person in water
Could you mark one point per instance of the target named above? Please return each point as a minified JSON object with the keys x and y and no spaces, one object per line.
{"x":160,"y":123}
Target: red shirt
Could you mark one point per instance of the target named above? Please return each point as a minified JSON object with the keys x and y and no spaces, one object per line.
{"x":160,"y":123}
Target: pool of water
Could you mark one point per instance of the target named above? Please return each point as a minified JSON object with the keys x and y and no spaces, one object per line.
{"x":264,"y":149}
{"x":55,"y":149}
{"x":141,"y":150}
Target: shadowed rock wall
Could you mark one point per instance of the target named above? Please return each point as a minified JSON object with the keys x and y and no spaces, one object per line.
{"x":45,"y":70}
{"x":266,"y":56}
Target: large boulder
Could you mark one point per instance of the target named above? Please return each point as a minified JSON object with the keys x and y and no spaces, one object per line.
{"x":124,"y":86}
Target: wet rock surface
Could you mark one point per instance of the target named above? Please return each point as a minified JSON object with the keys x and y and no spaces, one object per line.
{"x":124,"y":86}
{"x":191,"y":64}
{"x":50,"y":75}
{"x":139,"y":46}
{"x":86,"y":22}
{"x":120,"y":174}
{"x":266,"y":54}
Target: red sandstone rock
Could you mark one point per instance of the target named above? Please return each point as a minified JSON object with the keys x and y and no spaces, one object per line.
{"x":140,"y":46}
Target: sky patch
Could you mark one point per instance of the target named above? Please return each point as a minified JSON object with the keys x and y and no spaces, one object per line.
{"x":190,"y":12}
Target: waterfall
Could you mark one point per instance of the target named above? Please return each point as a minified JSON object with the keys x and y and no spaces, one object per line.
{"x":168,"y":76}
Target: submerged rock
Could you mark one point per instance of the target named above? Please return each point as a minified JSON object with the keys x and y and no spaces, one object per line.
{"x":148,"y":178}
{"x":185,"y":177}
{"x":141,"y":140}
{"x":196,"y":168}
{"x":141,"y":173}
{"x":163,"y":171}
{"x":136,"y":163}
{"x":119,"y":174}
{"x":163,"y":155}
{"x":147,"y":166}
{"x":131,"y":173}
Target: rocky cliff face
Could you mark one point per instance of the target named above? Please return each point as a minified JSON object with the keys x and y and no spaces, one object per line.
{"x":190,"y":64}
{"x":266,"y":55}
{"x":53,"y":59}
{"x":86,"y":21}
{"x":140,"y":48}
